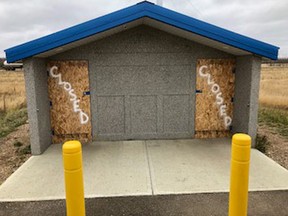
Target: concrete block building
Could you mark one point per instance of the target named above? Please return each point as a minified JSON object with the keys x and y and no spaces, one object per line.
{"x":143,"y":72}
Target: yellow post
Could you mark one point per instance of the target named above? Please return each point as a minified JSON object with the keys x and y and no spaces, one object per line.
{"x":72,"y":159}
{"x":239,"y":176}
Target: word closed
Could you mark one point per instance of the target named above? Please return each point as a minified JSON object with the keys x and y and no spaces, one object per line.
{"x":215,"y":89}
{"x":84,"y":118}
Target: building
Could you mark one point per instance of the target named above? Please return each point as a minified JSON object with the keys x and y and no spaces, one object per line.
{"x":143,"y":72}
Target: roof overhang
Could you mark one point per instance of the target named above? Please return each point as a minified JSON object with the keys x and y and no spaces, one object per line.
{"x":144,"y":13}
{"x":152,"y":23}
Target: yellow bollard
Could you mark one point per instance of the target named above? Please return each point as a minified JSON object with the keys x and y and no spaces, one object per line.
{"x":239,"y":176}
{"x":72,"y":159}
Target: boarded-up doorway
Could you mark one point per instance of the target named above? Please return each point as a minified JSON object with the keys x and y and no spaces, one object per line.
{"x":69,"y":101}
{"x":214,"y":97}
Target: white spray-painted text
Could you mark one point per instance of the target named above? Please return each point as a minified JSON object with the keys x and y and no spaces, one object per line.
{"x":215,"y":88}
{"x":84,"y":118}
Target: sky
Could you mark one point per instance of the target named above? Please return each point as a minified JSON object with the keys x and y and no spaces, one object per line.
{"x":25,"y":20}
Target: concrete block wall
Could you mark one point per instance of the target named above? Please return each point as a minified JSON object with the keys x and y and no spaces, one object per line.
{"x":123,"y":69}
{"x":153,"y":55}
{"x":38,"y":105}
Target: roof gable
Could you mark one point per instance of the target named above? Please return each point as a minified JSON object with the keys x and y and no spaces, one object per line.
{"x":135,"y":12}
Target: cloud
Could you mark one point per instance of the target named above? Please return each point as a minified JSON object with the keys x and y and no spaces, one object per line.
{"x":22,"y":20}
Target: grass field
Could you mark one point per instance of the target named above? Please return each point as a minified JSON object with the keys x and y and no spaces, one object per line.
{"x":12,"y":90}
{"x":272,"y":137}
{"x":273,"y":98}
{"x":274,"y":118}
{"x":274,"y":87}
{"x":13,"y":111}
{"x":12,"y":119}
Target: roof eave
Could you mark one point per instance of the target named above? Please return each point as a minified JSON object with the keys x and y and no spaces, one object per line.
{"x":144,"y":9}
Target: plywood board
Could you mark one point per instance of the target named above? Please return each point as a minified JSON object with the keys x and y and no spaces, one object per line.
{"x":65,"y":122}
{"x":208,"y":121}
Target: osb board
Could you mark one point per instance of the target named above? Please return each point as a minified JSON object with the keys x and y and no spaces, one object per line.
{"x":212,"y":134}
{"x":208,"y":122}
{"x":64,"y":121}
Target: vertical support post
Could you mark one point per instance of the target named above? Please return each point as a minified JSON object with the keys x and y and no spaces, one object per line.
{"x":72,"y":159}
{"x":239,"y":176}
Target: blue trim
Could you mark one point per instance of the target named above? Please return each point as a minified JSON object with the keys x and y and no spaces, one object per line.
{"x":140,"y":10}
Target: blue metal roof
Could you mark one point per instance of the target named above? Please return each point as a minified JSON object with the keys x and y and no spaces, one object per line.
{"x":140,"y":10}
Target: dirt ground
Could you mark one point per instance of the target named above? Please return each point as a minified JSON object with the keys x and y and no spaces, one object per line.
{"x":278,"y":146}
{"x":14,"y":151}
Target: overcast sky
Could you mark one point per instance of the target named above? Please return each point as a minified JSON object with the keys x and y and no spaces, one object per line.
{"x":24,"y":20}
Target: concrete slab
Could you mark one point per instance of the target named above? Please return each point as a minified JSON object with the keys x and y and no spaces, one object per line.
{"x":186,"y":166}
{"x":203,"y":166}
{"x":110,"y":169}
{"x":134,"y":168}
{"x":116,"y":169}
{"x":39,"y":177}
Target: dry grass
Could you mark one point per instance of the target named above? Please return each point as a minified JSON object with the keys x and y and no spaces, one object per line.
{"x":273,"y":113}
{"x":14,"y":140}
{"x":12,"y":90}
{"x":274,"y":86}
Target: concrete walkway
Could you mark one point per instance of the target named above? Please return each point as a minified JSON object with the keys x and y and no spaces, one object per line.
{"x":134,"y":168}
